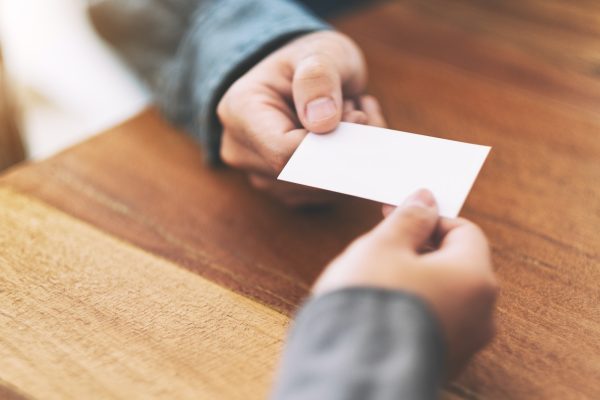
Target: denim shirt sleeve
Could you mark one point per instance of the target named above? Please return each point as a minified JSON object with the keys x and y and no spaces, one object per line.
{"x":362,"y":343}
{"x":189,"y":52}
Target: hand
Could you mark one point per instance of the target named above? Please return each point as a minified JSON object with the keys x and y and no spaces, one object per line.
{"x":455,"y":278}
{"x":310,"y":84}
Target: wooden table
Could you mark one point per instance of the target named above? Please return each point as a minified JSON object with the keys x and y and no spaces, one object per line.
{"x":129,"y":270}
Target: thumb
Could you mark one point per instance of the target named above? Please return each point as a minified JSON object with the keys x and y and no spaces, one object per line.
{"x":413,"y":223}
{"x":317,"y":91}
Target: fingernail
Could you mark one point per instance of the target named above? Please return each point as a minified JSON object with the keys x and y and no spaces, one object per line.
{"x":320,"y":109}
{"x":421,"y":198}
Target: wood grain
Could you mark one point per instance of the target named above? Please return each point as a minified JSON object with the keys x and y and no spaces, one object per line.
{"x":83,"y":315}
{"x":521,"y":76}
{"x":146,"y":183}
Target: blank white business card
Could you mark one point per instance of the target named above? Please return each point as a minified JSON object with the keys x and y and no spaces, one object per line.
{"x":386,"y":165}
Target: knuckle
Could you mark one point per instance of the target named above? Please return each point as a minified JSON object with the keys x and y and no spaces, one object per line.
{"x":228,"y":156}
{"x":314,"y":67}
{"x":232,"y":95}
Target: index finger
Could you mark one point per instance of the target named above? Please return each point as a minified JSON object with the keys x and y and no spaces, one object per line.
{"x":269,"y":130}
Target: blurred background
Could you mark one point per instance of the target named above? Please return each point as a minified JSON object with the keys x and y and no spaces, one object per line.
{"x":59,"y":83}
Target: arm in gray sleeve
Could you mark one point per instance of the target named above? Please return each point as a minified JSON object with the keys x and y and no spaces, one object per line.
{"x":189,"y":51}
{"x":362,"y":343}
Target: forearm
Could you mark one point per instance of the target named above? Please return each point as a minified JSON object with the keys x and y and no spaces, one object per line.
{"x":362,"y":343}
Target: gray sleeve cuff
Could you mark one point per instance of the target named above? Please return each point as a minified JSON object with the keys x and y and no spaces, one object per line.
{"x":362,"y":343}
{"x":225,"y":39}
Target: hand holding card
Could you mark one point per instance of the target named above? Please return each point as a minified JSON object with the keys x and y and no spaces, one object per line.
{"x":387,"y":166}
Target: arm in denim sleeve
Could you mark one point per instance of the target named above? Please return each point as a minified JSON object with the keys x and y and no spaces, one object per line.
{"x":189,"y":52}
{"x":362,"y":343}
